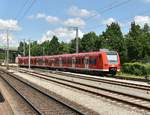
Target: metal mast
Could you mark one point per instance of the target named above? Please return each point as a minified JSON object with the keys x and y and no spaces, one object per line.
{"x":29,"y":56}
{"x":77,"y":40}
{"x":24,"y":52}
{"x":7,"y":60}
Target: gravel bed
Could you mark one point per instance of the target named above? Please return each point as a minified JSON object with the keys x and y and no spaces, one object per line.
{"x":97,"y":104}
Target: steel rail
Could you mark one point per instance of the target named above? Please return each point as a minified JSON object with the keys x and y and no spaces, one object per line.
{"x":124,"y":100}
{"x":36,"y":109}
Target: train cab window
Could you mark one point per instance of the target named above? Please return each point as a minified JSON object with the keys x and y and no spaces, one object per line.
{"x":112,"y":57}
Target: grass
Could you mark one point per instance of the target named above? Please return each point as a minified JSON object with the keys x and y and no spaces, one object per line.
{"x":119,"y":74}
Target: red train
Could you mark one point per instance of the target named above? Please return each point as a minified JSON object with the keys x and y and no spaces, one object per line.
{"x":96,"y":62}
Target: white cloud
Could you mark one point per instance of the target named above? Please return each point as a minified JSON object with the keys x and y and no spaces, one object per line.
{"x":12,"y":41}
{"x":141,"y":20}
{"x":63,"y":34}
{"x":40,"y":15}
{"x":49,"y":19}
{"x":3,"y":37}
{"x":75,"y":11}
{"x":52,"y":19}
{"x":9,"y":24}
{"x":74,"y":22}
{"x":109,"y":21}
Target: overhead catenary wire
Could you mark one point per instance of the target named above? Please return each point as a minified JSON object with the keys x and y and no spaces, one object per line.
{"x":124,"y":19}
{"x":112,"y":6}
{"x":21,"y":9}
{"x":27,"y":10}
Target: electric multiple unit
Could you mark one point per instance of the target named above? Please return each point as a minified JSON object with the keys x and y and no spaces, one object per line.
{"x":97,"y":62}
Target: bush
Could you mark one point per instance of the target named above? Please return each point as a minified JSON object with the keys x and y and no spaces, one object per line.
{"x":136,"y":68}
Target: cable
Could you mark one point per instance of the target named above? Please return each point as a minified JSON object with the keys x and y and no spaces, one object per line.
{"x":110,"y":8}
{"x":125,"y":19}
{"x":117,"y":5}
{"x":21,"y":9}
{"x":27,"y":10}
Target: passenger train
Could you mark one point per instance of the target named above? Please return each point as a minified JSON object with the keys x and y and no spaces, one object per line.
{"x":101,"y":62}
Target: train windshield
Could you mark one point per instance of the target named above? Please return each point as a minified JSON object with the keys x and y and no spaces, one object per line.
{"x":112,"y":57}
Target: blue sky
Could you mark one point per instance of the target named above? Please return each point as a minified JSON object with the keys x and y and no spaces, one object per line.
{"x":54,"y":17}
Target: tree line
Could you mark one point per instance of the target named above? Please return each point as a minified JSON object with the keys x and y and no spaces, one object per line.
{"x":133,"y":46}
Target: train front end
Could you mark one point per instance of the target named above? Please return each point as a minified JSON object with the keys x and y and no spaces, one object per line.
{"x":111,"y":62}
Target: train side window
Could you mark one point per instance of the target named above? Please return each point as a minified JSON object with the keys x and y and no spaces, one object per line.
{"x":82,"y":60}
{"x":92,"y":61}
{"x":46,"y":61}
{"x":63,"y":61}
{"x":73,"y":61}
{"x":69,"y":61}
{"x":57,"y":61}
{"x":86,"y":61}
{"x":78,"y":61}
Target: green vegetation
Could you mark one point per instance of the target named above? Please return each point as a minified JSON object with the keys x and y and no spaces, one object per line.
{"x":133,"y":47}
{"x":136,"y":68}
{"x":127,"y":75}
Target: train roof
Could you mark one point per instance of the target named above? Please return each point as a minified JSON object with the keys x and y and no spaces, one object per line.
{"x":68,"y":55}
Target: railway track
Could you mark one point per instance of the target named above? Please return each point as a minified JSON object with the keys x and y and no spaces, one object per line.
{"x":107,"y":81}
{"x":137,"y":101}
{"x":42,"y":103}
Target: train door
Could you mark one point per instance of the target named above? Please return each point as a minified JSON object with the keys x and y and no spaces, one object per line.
{"x":73,"y":62}
{"x":52,"y":62}
{"x":60,"y":62}
{"x":43,"y":61}
{"x":86,"y":62}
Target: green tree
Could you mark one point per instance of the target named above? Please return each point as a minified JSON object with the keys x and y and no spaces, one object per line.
{"x":20,"y":48}
{"x":63,"y":48}
{"x":88,"y":42}
{"x":72,"y":45}
{"x":146,"y":43}
{"x":36,"y":49}
{"x":113,"y":39}
{"x":46,"y":46}
{"x":98,"y":43}
{"x":54,"y":46}
{"x":134,"y":42}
